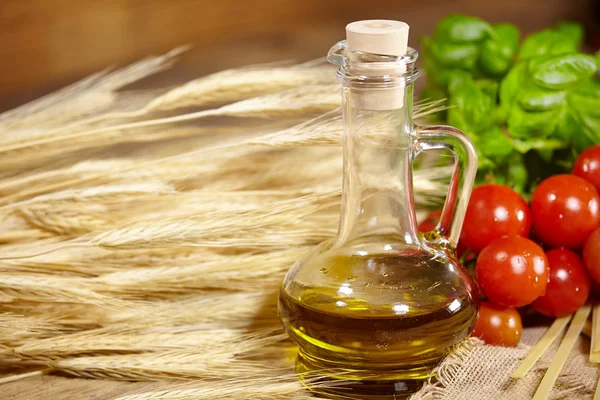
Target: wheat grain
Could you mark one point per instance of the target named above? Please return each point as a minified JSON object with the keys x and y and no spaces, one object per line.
{"x":16,"y":329}
{"x":223,"y":228}
{"x":239,"y":83}
{"x":292,"y":102}
{"x":259,"y":271}
{"x":204,"y":363}
{"x":230,"y":310}
{"x":276,"y":387}
{"x":46,"y":289}
{"x":104,"y":342}
{"x":91,"y":95}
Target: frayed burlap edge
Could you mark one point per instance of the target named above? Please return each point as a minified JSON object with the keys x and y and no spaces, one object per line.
{"x":447,"y":371}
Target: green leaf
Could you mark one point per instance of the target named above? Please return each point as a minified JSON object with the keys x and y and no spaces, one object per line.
{"x":585,"y":97}
{"x":537,"y":44}
{"x":472,"y":109}
{"x":495,"y":144}
{"x":571,"y":30}
{"x":564,"y":39}
{"x":526,"y":124}
{"x":535,"y":98}
{"x":568,"y":126}
{"x":459,"y":28}
{"x":452,"y":55}
{"x":511,"y":85}
{"x":546,"y":155}
{"x":497,"y":53}
{"x":488,"y":86}
{"x":591,"y":127}
{"x":517,"y":175}
{"x":523,"y":146}
{"x":457,"y":78}
{"x":436,"y":74}
{"x":563,"y":71}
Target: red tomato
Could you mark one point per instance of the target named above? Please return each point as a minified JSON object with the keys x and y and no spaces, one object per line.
{"x":591,"y":255}
{"x":568,"y":287}
{"x":431,"y":221}
{"x":494,"y":211}
{"x":512,"y":271}
{"x":565,"y":210}
{"x":587,"y":166}
{"x":498,"y":325}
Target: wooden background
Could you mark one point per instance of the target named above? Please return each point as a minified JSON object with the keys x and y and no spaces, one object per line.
{"x":45,"y":44}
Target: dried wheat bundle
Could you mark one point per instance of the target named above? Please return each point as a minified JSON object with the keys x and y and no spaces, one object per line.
{"x":145,"y":240}
{"x":91,"y":95}
{"x":284,"y":387}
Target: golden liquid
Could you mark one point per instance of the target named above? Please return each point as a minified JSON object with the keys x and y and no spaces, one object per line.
{"x":403,"y":315}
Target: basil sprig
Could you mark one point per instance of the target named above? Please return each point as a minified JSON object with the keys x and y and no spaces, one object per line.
{"x":529,"y":109}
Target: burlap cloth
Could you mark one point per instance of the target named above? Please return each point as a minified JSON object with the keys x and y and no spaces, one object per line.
{"x":480,"y":372}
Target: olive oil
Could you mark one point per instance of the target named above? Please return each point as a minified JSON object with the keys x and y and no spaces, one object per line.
{"x":381,"y":323}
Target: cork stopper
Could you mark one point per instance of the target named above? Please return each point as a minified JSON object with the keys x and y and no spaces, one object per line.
{"x":381,"y":37}
{"x":378,"y":36}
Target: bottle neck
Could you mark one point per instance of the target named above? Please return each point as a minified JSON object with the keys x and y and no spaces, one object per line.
{"x":377,"y":198}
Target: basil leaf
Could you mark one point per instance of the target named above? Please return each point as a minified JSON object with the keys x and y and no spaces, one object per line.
{"x":537,"y":44}
{"x":436,"y":74}
{"x":571,"y":30}
{"x":585,"y":97}
{"x":564,"y":39}
{"x":495,"y":144}
{"x":472,"y":109}
{"x":488,"y":86}
{"x":511,"y":85}
{"x":497,"y":53}
{"x":535,"y":98}
{"x":546,"y":155}
{"x":517,"y":175}
{"x":583,"y":136}
{"x":523,"y":146}
{"x":526,"y":124}
{"x":569,"y":126}
{"x":460,"y":28}
{"x":591,"y":126}
{"x":563,"y":71}
{"x":463,"y":56}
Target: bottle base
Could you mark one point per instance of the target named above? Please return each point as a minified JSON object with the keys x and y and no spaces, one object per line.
{"x":364,"y":384}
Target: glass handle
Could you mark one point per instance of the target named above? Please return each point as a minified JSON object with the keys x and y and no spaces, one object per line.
{"x":463,"y":176}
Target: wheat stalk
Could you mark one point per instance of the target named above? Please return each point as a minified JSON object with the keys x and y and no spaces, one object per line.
{"x":291,"y":102}
{"x":47,"y":289}
{"x":260,"y":271}
{"x":142,"y":244}
{"x":212,"y":363}
{"x":231,"y":310}
{"x":90,"y":95}
{"x":238,"y":83}
{"x":283,"y":387}
{"x":103,"y":342}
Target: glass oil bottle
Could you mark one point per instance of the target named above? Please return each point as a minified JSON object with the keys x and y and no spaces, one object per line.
{"x":375,"y":309}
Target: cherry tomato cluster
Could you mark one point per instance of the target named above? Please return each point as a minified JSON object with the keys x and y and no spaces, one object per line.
{"x":545,"y":255}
